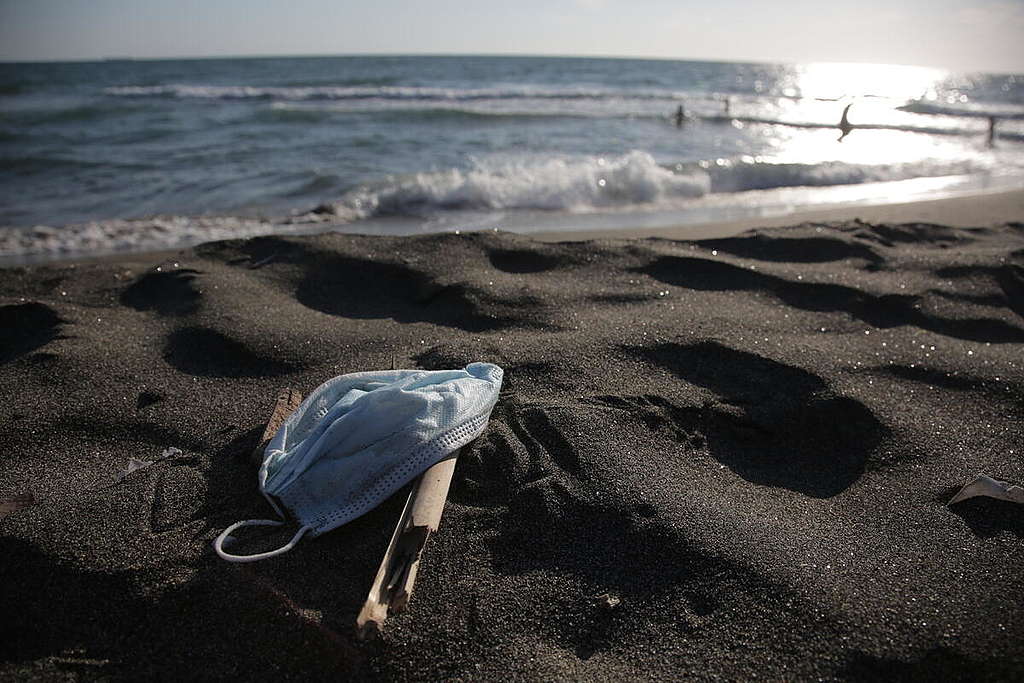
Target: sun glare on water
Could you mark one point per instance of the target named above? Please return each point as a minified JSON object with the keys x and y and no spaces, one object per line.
{"x":882,"y":133}
{"x":835,"y":81}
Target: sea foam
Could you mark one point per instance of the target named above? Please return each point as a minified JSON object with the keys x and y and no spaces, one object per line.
{"x":631,"y":181}
{"x":331,"y":92}
{"x":557,"y":183}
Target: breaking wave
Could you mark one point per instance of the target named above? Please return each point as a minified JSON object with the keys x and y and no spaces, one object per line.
{"x":634,"y":180}
{"x":332,"y":92}
{"x":970,"y":110}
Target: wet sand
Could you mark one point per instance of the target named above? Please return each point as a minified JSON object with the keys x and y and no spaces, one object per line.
{"x":963,"y":211}
{"x":747,"y":442}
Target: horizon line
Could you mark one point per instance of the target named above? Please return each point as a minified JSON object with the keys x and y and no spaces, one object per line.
{"x":319,"y":55}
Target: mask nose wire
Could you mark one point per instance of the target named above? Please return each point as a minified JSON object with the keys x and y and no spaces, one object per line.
{"x":218,"y":545}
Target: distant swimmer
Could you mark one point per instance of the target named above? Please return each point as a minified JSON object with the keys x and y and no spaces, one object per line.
{"x":844,"y":123}
{"x":680,"y":116}
{"x":991,"y":131}
{"x":726,"y":104}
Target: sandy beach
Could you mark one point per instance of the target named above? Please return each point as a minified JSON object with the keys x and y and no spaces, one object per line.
{"x":720,"y":459}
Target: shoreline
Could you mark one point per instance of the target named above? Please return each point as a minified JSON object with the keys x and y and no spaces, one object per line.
{"x":969,"y":210}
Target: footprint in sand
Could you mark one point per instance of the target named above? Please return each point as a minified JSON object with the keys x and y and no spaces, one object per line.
{"x":204,"y":352}
{"x":168,"y":293}
{"x":771,"y":423}
{"x":26,"y":327}
{"x":881,"y":311}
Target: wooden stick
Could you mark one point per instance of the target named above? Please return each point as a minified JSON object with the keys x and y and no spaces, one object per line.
{"x":393,"y":584}
{"x":288,"y":401}
{"x":396,"y":576}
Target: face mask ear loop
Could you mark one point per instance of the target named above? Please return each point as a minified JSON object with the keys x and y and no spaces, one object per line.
{"x":218,"y":545}
{"x":273,"y":504}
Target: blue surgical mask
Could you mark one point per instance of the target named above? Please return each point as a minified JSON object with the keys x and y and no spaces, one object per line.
{"x":358,"y":438}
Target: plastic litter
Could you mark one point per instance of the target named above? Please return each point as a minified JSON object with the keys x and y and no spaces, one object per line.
{"x":138,"y":464}
{"x":982,"y":485}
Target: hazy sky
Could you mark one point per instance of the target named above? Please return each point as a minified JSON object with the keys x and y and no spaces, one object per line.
{"x":982,"y":35}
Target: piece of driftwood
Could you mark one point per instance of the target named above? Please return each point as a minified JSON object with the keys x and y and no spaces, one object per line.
{"x":393,"y":584}
{"x":288,"y":401}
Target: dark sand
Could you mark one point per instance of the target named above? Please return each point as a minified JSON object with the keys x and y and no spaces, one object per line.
{"x":749,"y":442}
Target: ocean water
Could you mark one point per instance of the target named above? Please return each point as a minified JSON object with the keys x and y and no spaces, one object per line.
{"x":116,"y":155}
